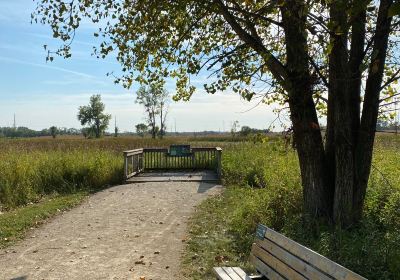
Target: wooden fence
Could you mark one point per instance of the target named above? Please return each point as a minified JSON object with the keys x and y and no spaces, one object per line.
{"x":140,"y":160}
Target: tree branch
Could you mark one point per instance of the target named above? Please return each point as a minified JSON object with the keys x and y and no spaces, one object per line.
{"x":388,"y":97}
{"x":274,"y":65}
{"x":394,"y":77}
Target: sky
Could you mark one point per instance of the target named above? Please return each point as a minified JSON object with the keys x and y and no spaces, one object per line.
{"x":43,"y":94}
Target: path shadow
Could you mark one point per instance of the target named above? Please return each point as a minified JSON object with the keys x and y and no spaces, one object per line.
{"x":204,"y":187}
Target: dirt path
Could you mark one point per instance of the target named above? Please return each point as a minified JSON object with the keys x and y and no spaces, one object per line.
{"x":123,"y":232}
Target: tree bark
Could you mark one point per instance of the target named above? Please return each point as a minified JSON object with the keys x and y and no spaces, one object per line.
{"x":366,"y":135}
{"x":97,"y":129}
{"x":161,"y":121}
{"x":343,"y":115}
{"x":317,"y":192}
{"x":153,"y":124}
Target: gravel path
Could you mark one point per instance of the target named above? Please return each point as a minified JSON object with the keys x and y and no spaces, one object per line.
{"x":123,"y":232}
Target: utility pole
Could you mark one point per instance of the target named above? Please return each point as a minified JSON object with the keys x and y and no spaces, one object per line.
{"x":115,"y":128}
{"x":175,"y":126}
{"x":14,"y":124}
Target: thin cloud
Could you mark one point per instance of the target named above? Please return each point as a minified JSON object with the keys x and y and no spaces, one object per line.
{"x":49,"y":37}
{"x":80,"y":74}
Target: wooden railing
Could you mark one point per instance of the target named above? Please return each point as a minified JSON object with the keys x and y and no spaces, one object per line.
{"x":133,"y":162}
{"x":140,"y":160}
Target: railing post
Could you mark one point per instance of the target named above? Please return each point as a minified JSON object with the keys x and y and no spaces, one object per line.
{"x":141,"y":159}
{"x":126,"y":165}
{"x":133,"y":163}
{"x":219,"y":162}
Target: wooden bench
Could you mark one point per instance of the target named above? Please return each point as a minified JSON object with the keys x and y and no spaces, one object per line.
{"x":278,"y":257}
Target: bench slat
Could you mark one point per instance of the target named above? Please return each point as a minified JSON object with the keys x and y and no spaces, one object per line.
{"x":241,"y":273}
{"x":296,"y":263}
{"x":232,"y":273}
{"x":324,"y":264}
{"x":221,"y":274}
{"x":279,"y":266}
{"x":265,"y":270}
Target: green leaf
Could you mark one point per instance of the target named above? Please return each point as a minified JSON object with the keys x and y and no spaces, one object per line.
{"x":329,"y":48}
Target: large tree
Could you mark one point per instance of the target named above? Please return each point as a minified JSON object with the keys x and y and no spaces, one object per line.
{"x":154,"y":100}
{"x":94,"y":116}
{"x":312,"y":56}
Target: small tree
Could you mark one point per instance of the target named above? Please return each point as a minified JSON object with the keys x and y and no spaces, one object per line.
{"x":245,"y":130}
{"x":234,"y":128}
{"x":94,"y":116}
{"x":53,"y":131}
{"x":141,"y":129}
{"x":154,"y":99}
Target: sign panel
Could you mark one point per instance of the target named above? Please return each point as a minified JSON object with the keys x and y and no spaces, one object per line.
{"x":260,"y":232}
{"x":179,"y":150}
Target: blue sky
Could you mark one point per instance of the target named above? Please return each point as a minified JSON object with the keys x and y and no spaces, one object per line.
{"x":44,"y":94}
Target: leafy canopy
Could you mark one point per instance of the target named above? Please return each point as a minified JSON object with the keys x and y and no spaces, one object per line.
{"x":154,"y":39}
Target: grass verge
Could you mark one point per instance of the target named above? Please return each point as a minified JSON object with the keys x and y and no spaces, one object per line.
{"x":210,"y":243}
{"x":14,"y":224}
{"x":263,"y":186}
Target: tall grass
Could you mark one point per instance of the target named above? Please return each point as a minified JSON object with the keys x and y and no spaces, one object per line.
{"x":35,"y":167}
{"x":111,"y":144}
{"x":28,"y":176}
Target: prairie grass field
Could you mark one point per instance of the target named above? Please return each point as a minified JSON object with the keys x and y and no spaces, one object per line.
{"x":34,"y":167}
{"x":37,"y":171}
{"x":41,"y":177}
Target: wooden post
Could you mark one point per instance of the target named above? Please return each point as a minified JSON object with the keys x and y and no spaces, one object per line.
{"x":219,"y":162}
{"x":133,"y":163}
{"x":141,"y":156}
{"x":125,"y":165}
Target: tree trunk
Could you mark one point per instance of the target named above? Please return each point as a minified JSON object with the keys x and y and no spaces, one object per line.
{"x":161,"y":121}
{"x":353,"y":141}
{"x":366,"y":135}
{"x":317,"y":192}
{"x":343,"y":116}
{"x":97,"y":132}
{"x":153,"y":125}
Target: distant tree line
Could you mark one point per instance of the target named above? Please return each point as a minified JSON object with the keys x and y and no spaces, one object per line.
{"x":19,"y":132}
{"x":246,"y":130}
